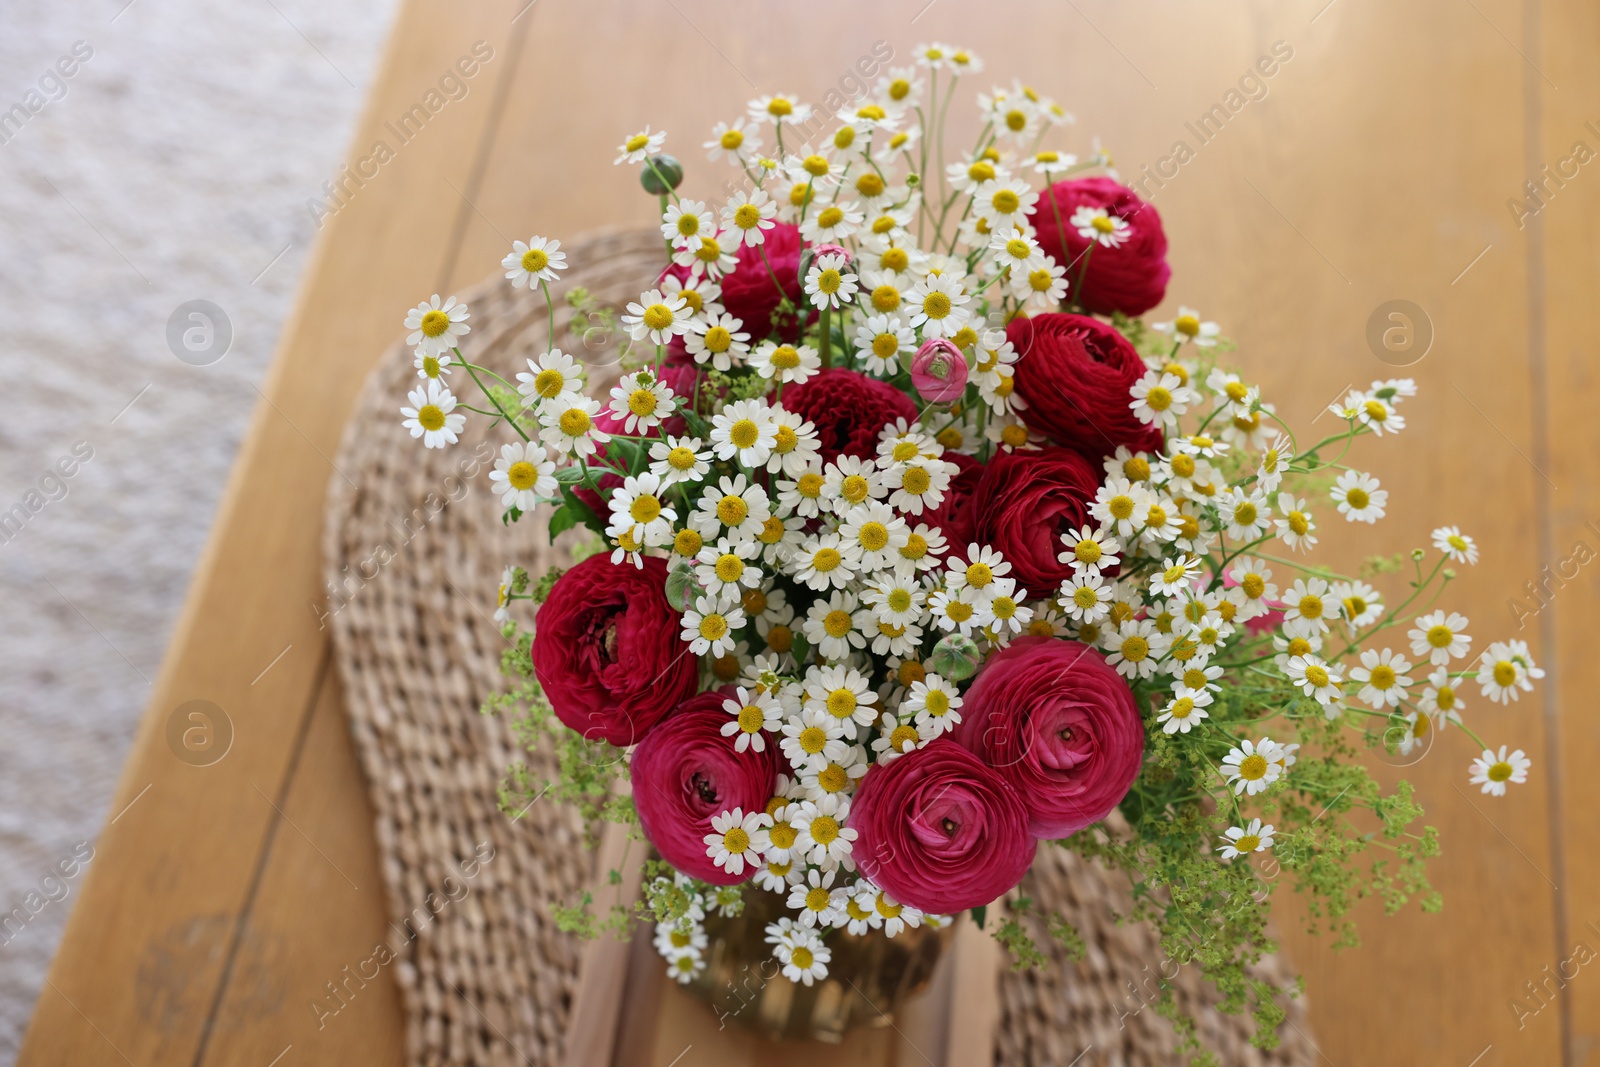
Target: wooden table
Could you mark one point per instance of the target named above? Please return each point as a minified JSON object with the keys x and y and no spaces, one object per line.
{"x":1378,"y":166}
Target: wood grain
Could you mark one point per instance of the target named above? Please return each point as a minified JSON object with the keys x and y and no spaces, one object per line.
{"x":1377,"y":166}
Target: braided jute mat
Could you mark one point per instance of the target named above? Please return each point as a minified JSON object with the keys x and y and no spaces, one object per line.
{"x":414,"y":547}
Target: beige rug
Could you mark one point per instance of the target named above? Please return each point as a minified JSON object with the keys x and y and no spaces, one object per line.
{"x":413,"y":557}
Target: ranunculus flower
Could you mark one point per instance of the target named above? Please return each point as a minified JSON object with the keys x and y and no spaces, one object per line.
{"x":748,"y":291}
{"x":1074,"y":374}
{"x":1061,"y":725}
{"x":952,"y":515}
{"x":848,"y":409}
{"x":1130,"y":278}
{"x":939,"y":371}
{"x":939,"y":830}
{"x":1023,"y":504}
{"x":684,"y":772}
{"x":606,"y":650}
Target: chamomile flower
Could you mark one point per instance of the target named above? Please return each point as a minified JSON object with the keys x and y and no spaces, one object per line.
{"x":684,"y":969}
{"x":522,"y":475}
{"x":697,"y":291}
{"x":554,"y":375}
{"x":755,"y":715}
{"x":1187,"y":326}
{"x":1383,"y":678}
{"x":1358,"y":497}
{"x":1016,"y":250}
{"x":1306,"y":607}
{"x":1086,"y":596}
{"x":880,"y":342}
{"x":640,"y":146}
{"x":830,"y":283}
{"x":744,"y":429}
{"x":832,"y":224}
{"x":818,"y":903}
{"x":710,"y":255}
{"x":922,"y":551}
{"x":724,"y":569}
{"x":1296,"y":526}
{"x":955,"y":610}
{"x":738,"y":839}
{"x":918,"y":485}
{"x":823,"y":837}
{"x":1100,"y":226}
{"x":718,"y":340}
{"x":1493,"y":770}
{"x":685,"y":222}
{"x":790,"y":364}
{"x":836,"y":625}
{"x":1134,"y":648}
{"x":1359,"y":603}
{"x":896,"y":600}
{"x":432,"y":415}
{"x":1315,"y":677}
{"x":825,"y":562}
{"x":1439,"y":636}
{"x":1177,"y":575}
{"x":1440,"y":699}
{"x":539,"y":260}
{"x":709,"y":626}
{"x":1121,"y":506}
{"x":748,"y":218}
{"x":1455,"y":544}
{"x":1089,"y":549}
{"x":1043,"y":287}
{"x":938,"y":304}
{"x":642,"y":401}
{"x":1242,"y":840}
{"x":735,"y":139}
{"x":436,"y":328}
{"x":1506,"y":671}
{"x":844,"y":693}
{"x":804,"y":957}
{"x":1002,"y":613}
{"x":658,"y":316}
{"x":895,"y":739}
{"x":813,"y":736}
{"x":1275,"y":458}
{"x":820,"y":779}
{"x":1247,"y":514}
{"x":568,"y":425}
{"x":935,"y":704}
{"x":734,"y":504}
{"x":1159,"y":398}
{"x":1004,"y":203}
{"x":1250,"y":767}
{"x":673,"y":941}
{"x":1185,"y":711}
{"x":1254,"y":585}
{"x":431,"y":367}
{"x":779,"y":108}
{"x":679,"y":459}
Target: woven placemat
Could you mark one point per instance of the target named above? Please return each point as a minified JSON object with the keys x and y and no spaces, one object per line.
{"x":414,"y":547}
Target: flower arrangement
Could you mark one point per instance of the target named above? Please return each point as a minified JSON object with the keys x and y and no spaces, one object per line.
{"x":914,"y":546}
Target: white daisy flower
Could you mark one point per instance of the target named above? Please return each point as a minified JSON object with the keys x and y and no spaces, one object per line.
{"x":844,"y":693}
{"x":431,"y":367}
{"x":1004,"y":203}
{"x":1377,"y":415}
{"x":1247,"y":514}
{"x":1002,"y":612}
{"x":1159,"y":398}
{"x":1242,"y":840}
{"x":823,"y":837}
{"x":734,"y":139}
{"x":825,"y":562}
{"x":1186,"y":326}
{"x":1134,"y":648}
{"x":1383,"y":677}
{"x":1254,"y":585}
{"x":880,"y":342}
{"x":1016,"y":250}
{"x":897,"y":600}
{"x":538,"y":260}
{"x":1098,"y":225}
{"x":749,"y":217}
{"x":1359,"y":603}
{"x":896,"y":916}
{"x":938,"y":305}
{"x":658,"y":316}
{"x":791,"y":364}
{"x":432,"y":416}
{"x":813,"y":736}
{"x":922,"y":551}
{"x":679,"y":459}
{"x":754,"y":716}
{"x":744,"y":429}
{"x":1250,"y":767}
{"x":685,"y":969}
{"x":555,"y":375}
{"x":832,"y":224}
{"x":804,"y":959}
{"x":1358,"y":497}
{"x":1296,"y":526}
{"x":738,"y":839}
{"x":1439,"y":636}
{"x":568,"y":425}
{"x":1493,"y":770}
{"x":803,"y":497}
{"x":642,"y":401}
{"x":1275,"y":458}
{"x":709,"y":626}
{"x":955,"y":610}
{"x":1305,"y":607}
{"x":1086,"y":596}
{"x":435,"y":328}
{"x":851,"y":480}
{"x":698,"y":291}
{"x":522,"y":475}
{"x":918,"y":485}
{"x":829,"y":283}
{"x":685,"y":222}
{"x":673,"y":941}
{"x":836,"y":625}
{"x":1121,"y":506}
{"x":1177,"y":575}
{"x":1089,"y":550}
{"x":1439,"y":698}
{"x":718,"y":340}
{"x":936,"y":705}
{"x":734,"y":504}
{"x":1185,"y":710}
{"x":640,"y":146}
{"x":1315,"y":677}
{"x":723,"y":569}
{"x":820,"y":779}
{"x":1506,"y":671}
{"x":710,"y":255}
{"x":1455,"y":544}
{"x":877,"y":531}
{"x":894,"y":739}
{"x":776,"y":876}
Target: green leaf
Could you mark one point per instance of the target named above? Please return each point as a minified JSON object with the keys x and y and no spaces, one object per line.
{"x":569,"y":475}
{"x":562,"y":520}
{"x":980,"y":913}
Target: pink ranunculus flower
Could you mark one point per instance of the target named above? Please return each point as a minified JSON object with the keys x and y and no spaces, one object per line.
{"x":939,"y":371}
{"x":685,"y":771}
{"x":940,"y":831}
{"x":1061,"y":725}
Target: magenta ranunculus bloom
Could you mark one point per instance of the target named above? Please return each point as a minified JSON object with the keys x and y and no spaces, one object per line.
{"x":848,"y":410}
{"x":940,"y":831}
{"x":1060,"y":724}
{"x":1073,"y":374}
{"x":607,"y":653}
{"x":1022,"y":505}
{"x":685,"y":771}
{"x":1130,"y":278}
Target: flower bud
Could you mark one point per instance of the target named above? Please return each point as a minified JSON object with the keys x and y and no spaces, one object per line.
{"x":955,"y":657}
{"x":939,"y":371}
{"x":681,"y":586}
{"x":659,"y":168}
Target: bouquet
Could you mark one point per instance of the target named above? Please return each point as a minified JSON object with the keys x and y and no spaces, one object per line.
{"x":912,"y":546}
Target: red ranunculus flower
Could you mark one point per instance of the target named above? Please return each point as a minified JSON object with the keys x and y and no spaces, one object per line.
{"x":606,"y":650}
{"x":953,"y":516}
{"x":748,"y":291}
{"x":848,"y":409}
{"x":939,"y":830}
{"x":1130,"y":278}
{"x":1023,"y":504}
{"x":1074,"y":373}
{"x":684,"y":772}
{"x":1060,"y":725}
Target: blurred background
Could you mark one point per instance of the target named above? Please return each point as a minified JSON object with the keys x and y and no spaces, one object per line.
{"x":1423,"y":153}
{"x":174,"y":164}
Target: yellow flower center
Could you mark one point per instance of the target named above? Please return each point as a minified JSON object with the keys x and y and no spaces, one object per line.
{"x":896,"y":260}
{"x":780,"y":638}
{"x":642,"y":402}
{"x":535,"y":260}
{"x":1254,"y":586}
{"x":824,"y":831}
{"x":434,"y":323}
{"x":771,"y":531}
{"x":916,"y":481}
{"x":1103,"y":224}
{"x":687,"y":543}
{"x":833,"y":778}
{"x":1006,"y":202}
{"x":1500,"y":771}
{"x":430,"y":417}
{"x":958,"y":610}
{"x":732,"y":510}
{"x":751,"y":718}
{"x":936,"y":305}
{"x":779,"y":106}
{"x":1158,"y":398}
{"x":809,"y":485}
{"x":732,"y":139}
{"x":829,"y":217}
{"x":658,"y":316}
{"x":1317,"y":676}
{"x":1253,"y":767}
{"x":1357,"y":498}
{"x":979,"y":575}
{"x":1120,"y":507}
{"x":1298,"y":523}
{"x":873,"y":536}
{"x":1311,"y":607}
{"x":729,"y":567}
{"x":1183,"y":707}
{"x":1135,"y":648}
{"x":636,"y":142}
{"x":736,"y":840}
{"x":915,"y":548}
{"x":937,"y":702}
{"x":747,"y":216}
{"x":574,"y":422}
{"x":826,"y":559}
{"x":813,"y":740}
{"x":836,"y":623}
{"x":646,"y":508}
{"x":744,"y":433}
{"x":713,"y":627}
{"x":842,"y":703}
{"x":1505,"y":672}
{"x":855,"y":488}
{"x":1247,"y":843}
{"x":802,"y":957}
{"x":899,"y":600}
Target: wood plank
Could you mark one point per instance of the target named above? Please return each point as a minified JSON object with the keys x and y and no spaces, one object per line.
{"x":178,"y":866}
